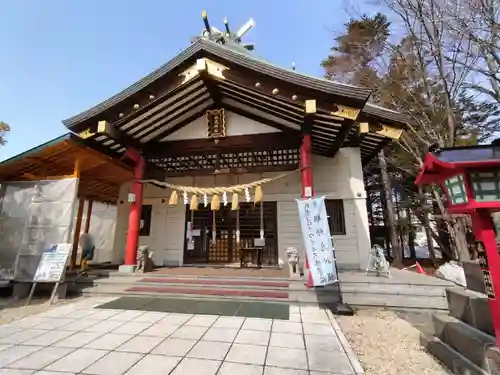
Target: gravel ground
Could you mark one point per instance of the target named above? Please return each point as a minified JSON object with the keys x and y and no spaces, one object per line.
{"x":387,"y":343}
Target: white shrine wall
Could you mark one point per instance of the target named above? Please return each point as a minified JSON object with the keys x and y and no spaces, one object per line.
{"x":340,"y":177}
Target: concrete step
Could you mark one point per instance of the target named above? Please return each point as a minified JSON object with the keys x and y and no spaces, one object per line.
{"x":187,"y":276}
{"x":470,"y":307}
{"x":194,"y":283}
{"x":393,"y":289}
{"x":467,"y":340}
{"x":405,"y":290}
{"x":473,"y":275}
{"x":398,"y":277}
{"x":452,"y":359}
{"x":297,"y":295}
{"x":209,"y":291}
{"x":326,"y":295}
{"x":121,"y":290}
{"x":396,"y":301}
{"x":362,"y":288}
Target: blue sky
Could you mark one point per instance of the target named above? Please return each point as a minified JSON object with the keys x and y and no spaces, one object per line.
{"x":60,"y":57}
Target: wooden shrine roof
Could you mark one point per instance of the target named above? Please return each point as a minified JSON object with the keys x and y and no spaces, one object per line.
{"x":210,"y":75}
{"x":244,"y":60}
{"x":100,"y":175}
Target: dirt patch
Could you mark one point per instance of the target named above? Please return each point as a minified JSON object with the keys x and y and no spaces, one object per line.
{"x":11,"y":310}
{"x":387,"y":344}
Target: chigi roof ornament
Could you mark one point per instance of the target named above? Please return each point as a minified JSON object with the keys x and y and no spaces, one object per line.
{"x":227,"y":36}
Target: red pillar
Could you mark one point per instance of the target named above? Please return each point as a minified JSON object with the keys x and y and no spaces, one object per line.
{"x":306,"y":167}
{"x":485,"y":232}
{"x":307,"y":182}
{"x":134,"y":221}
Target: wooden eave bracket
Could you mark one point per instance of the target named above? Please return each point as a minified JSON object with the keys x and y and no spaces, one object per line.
{"x":310,"y":107}
{"x":383,"y":130}
{"x":203,"y":67}
{"x":104,"y":127}
{"x":346,"y":112}
{"x":86,"y":134}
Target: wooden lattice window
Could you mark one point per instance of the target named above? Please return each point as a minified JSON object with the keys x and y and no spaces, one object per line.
{"x":486,"y":186}
{"x":455,"y":187}
{"x":336,"y":217}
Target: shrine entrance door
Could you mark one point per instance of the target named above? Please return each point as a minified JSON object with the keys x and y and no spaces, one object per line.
{"x":204,"y":245}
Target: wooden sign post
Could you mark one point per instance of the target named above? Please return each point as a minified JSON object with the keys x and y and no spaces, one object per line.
{"x":51,"y":268}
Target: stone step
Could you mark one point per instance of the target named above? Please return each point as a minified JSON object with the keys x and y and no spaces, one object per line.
{"x":473,"y":275}
{"x":209,"y":291}
{"x":329,"y":295}
{"x":189,"y":276}
{"x":303,"y":297}
{"x":395,"y":301}
{"x":470,"y":307}
{"x":218,"y":282}
{"x":405,"y":290}
{"x":121,"y":290}
{"x":393,"y":289}
{"x":398,"y":277}
{"x":382,"y":289}
{"x":452,"y":359}
{"x":363,"y":296}
{"x":467,"y":340}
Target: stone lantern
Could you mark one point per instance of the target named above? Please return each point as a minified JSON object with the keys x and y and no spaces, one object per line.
{"x":470,"y":179}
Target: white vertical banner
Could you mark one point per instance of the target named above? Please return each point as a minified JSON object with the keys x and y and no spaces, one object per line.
{"x":317,"y":240}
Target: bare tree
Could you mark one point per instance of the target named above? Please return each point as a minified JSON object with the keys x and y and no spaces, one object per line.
{"x":4,"y":129}
{"x":426,"y":80}
{"x":475,"y":28}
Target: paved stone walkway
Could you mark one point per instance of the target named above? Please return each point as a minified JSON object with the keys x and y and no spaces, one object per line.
{"x":80,"y":339}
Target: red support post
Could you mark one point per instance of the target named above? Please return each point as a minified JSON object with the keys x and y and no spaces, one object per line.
{"x":307,"y":183}
{"x":485,"y":232}
{"x":134,"y":221}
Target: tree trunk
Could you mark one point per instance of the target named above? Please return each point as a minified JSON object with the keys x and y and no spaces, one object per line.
{"x":411,"y":235}
{"x":456,"y":231}
{"x":427,"y":226}
{"x":461,"y":238}
{"x":391,"y":221}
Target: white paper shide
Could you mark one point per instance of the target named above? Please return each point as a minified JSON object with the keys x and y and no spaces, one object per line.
{"x":317,"y":240}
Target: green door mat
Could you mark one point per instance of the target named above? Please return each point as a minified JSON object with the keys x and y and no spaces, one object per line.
{"x":246,"y":309}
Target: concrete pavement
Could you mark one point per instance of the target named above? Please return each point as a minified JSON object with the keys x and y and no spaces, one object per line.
{"x":80,"y":338}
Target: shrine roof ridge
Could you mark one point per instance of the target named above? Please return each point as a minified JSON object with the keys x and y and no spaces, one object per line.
{"x":385,"y":113}
{"x":245,"y":60}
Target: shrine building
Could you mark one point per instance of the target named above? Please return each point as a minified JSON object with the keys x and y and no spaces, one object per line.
{"x":239,"y":140}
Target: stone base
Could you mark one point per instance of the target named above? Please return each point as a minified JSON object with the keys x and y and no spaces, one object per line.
{"x":21,"y":290}
{"x":464,"y":339}
{"x":61,"y":292}
{"x":449,"y":357}
{"x":343,"y":309}
{"x":471,"y":308}
{"x":126,"y":268}
{"x":493,"y":355}
{"x":473,"y":275}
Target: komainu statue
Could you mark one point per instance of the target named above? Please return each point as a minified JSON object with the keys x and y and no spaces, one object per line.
{"x":144,"y":260}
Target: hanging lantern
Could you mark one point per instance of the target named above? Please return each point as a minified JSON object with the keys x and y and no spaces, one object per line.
{"x":258,"y":194}
{"x":224,"y":198}
{"x":205,"y":199}
{"x":185,"y":197}
{"x":247,"y":195}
